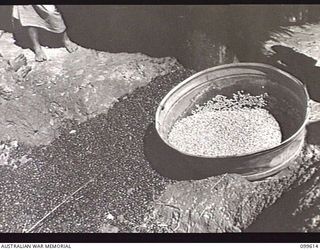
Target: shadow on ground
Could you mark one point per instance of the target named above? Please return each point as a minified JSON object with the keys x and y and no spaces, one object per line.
{"x":299,"y":65}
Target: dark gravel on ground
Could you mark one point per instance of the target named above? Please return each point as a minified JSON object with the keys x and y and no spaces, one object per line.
{"x":109,"y":151}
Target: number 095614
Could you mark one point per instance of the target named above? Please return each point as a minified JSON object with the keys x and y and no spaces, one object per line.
{"x":308,"y":246}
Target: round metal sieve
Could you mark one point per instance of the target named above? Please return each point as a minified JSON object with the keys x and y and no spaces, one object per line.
{"x":287,"y":101}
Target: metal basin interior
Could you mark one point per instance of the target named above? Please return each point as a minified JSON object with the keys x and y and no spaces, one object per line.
{"x":287,"y":98}
{"x":287,"y":101}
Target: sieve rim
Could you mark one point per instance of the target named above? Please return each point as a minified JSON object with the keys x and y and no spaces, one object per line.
{"x":225,"y":66}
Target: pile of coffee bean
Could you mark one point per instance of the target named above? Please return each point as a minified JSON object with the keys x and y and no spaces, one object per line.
{"x":227,"y":127}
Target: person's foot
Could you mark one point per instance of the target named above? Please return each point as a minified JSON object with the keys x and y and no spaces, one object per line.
{"x":69,"y":45}
{"x":18,"y":62}
{"x":40,"y":56}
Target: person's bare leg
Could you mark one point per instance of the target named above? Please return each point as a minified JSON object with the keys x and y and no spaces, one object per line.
{"x":40,"y":55}
{"x":70,"y":46}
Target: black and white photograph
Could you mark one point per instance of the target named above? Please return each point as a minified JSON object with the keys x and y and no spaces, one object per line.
{"x":160,"y":118}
